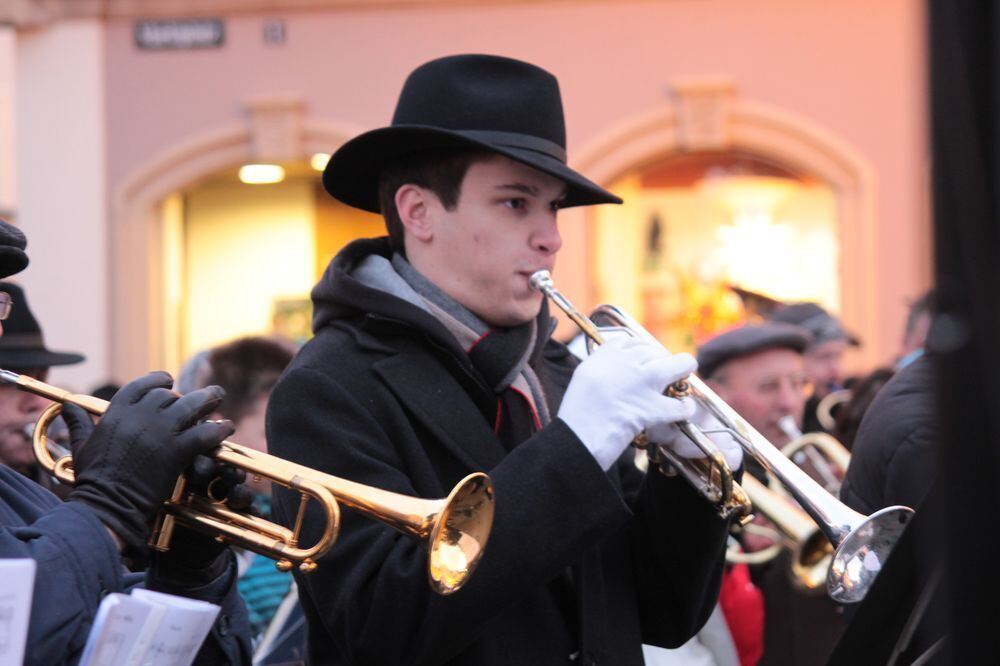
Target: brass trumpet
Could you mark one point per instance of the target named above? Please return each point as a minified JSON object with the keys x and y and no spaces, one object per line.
{"x":827,"y":456}
{"x":862,"y":543}
{"x":455,"y":528}
{"x":811,"y":552}
{"x":824,"y":410}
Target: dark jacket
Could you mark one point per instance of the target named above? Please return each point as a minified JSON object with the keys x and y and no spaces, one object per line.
{"x":77,"y":564}
{"x":894,"y":458}
{"x":580,"y":562}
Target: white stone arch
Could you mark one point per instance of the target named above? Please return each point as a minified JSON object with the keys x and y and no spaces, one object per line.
{"x":710,"y":116}
{"x":277,"y":130}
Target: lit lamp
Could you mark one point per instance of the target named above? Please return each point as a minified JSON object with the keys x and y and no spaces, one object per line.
{"x":318,"y":161}
{"x":261,"y":174}
{"x":755,"y":250}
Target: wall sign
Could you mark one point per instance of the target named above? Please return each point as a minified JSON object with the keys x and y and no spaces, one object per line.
{"x":179,"y":34}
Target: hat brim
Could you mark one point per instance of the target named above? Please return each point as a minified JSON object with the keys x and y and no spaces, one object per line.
{"x":352,"y":174}
{"x":12,"y":260}
{"x":36,"y":358}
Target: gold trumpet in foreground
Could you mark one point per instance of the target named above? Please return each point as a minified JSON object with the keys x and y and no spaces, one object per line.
{"x":455,"y":528}
{"x":862,"y":543}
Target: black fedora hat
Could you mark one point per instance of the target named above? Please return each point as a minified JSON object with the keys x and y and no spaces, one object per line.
{"x":22,"y":344}
{"x":12,"y":243}
{"x":484,"y":102}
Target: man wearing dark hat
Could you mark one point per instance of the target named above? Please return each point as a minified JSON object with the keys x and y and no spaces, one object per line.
{"x":824,"y":358}
{"x":760,"y":372}
{"x":432,"y":359}
{"x":125,"y":468}
{"x":23,"y":350}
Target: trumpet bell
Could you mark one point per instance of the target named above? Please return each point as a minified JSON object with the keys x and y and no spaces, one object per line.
{"x":863,"y":553}
{"x":459,"y":535}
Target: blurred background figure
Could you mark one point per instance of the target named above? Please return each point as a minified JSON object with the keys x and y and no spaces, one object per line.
{"x":918,"y":325}
{"x":847,"y":414}
{"x":105,"y":391}
{"x":247,"y":369}
{"x":760,"y":371}
{"x":23,"y":350}
{"x":895,"y":458}
{"x":824,"y":358}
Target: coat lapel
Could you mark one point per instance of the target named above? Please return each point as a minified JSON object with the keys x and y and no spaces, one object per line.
{"x":437,"y":400}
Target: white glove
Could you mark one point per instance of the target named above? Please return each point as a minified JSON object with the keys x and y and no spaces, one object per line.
{"x":670,"y":436}
{"x":617,"y":392}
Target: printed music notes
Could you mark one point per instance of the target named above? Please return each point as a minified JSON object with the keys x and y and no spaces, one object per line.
{"x":148,"y":629}
{"x":18,"y":585}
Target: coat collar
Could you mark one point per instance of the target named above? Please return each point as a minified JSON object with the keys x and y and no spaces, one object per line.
{"x":439,"y":399}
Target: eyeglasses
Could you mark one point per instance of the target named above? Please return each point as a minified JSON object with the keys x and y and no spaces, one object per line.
{"x":5,"y":305}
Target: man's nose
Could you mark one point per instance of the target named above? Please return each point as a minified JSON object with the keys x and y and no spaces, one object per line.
{"x":546,"y":238}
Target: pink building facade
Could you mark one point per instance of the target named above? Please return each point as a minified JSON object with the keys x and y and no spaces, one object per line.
{"x":99,"y":134}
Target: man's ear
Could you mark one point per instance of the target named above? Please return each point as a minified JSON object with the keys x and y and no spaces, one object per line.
{"x":414,"y":205}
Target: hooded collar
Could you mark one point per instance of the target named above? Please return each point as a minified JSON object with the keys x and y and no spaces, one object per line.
{"x":360,"y":282}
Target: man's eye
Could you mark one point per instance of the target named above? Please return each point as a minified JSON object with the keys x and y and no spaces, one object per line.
{"x":556,"y":205}
{"x":515,"y":204}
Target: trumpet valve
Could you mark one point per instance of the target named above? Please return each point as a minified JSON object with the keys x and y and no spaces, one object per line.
{"x":679,"y":389}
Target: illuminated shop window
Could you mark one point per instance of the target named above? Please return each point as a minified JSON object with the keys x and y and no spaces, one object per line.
{"x":711,"y":240}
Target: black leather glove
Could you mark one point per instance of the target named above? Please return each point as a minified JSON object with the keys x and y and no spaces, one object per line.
{"x":194,"y":558}
{"x":128,"y":465}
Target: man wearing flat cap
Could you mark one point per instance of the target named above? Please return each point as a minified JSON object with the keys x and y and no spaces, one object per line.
{"x":758,"y":369}
{"x":23,"y":350}
{"x":125,"y":468}
{"x":432,"y":359}
{"x":824,"y":358}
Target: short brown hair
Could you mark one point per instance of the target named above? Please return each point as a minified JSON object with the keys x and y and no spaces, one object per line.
{"x":247,"y":369}
{"x":440,"y":171}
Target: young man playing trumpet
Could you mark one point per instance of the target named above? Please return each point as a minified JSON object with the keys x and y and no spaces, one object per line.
{"x":433,"y":359}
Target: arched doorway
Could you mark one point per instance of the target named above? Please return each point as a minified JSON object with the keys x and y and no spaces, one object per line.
{"x":708,"y":121}
{"x":165,"y":213}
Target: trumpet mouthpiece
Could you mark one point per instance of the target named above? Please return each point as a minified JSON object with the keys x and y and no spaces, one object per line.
{"x":8,"y":376}
{"x":540,"y":280}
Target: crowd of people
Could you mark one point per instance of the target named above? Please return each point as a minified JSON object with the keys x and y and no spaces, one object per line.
{"x":433,"y":357}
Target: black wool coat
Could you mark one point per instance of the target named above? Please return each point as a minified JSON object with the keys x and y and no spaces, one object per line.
{"x":894,"y":457}
{"x":582,"y":566}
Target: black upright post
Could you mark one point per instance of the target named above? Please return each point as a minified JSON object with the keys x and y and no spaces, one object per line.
{"x":965,"y":131}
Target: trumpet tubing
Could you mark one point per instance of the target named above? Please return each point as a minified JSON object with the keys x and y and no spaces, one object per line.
{"x":862,"y":543}
{"x":710,"y":475}
{"x":456,"y":528}
{"x":811,"y":551}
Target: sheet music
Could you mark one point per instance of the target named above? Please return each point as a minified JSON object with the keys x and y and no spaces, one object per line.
{"x":148,"y":629}
{"x":17,"y":585}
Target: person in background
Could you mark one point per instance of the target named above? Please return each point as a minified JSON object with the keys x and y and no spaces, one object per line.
{"x":918,"y":325}
{"x":125,"y":468}
{"x":759,"y":370}
{"x":105,"y":391}
{"x":824,"y":358}
{"x":23,"y":350}
{"x":247,"y":369}
{"x":849,"y":414}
